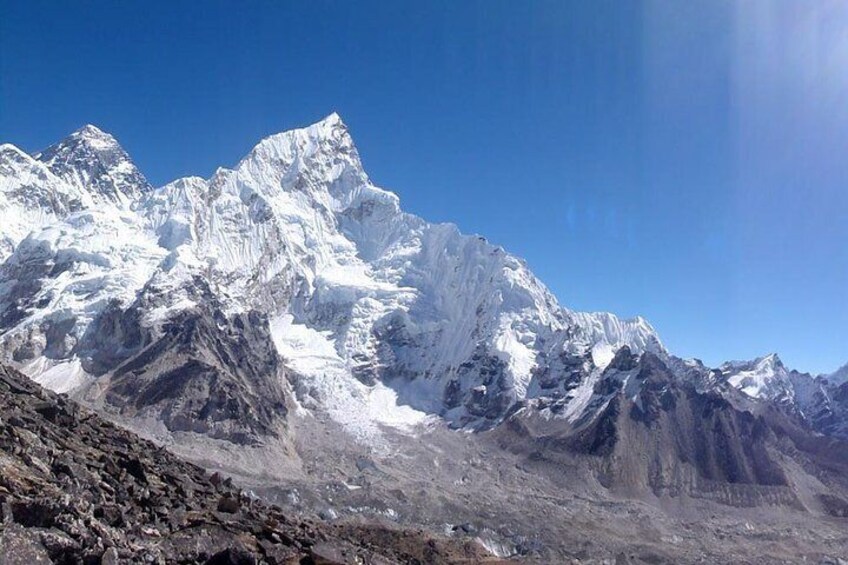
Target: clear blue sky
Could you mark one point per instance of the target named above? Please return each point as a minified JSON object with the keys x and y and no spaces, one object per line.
{"x":687,"y":161}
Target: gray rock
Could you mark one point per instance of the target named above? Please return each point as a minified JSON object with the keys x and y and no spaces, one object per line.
{"x":18,"y":546}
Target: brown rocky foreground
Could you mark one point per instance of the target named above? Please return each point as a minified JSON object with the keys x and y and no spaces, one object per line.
{"x":75,"y":488}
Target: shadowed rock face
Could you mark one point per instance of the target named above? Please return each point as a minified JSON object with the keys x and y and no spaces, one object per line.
{"x":204,"y":372}
{"x":77,"y":489}
{"x":669,"y":439}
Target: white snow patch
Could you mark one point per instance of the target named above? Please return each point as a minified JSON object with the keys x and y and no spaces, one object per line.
{"x":763,"y":378}
{"x":520,"y":357}
{"x":602,"y":354}
{"x":326,"y":378}
{"x":581,"y":396}
{"x":59,"y":377}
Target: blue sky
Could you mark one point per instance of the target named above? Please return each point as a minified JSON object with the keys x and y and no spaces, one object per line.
{"x":687,"y":161}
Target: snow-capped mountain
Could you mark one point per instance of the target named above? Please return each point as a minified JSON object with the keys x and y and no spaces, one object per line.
{"x":821,"y":402}
{"x":376,"y":315}
{"x":763,"y":378}
{"x":111,"y":290}
{"x":93,"y":162}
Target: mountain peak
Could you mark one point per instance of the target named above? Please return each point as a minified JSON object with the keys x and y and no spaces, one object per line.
{"x":325,"y":149}
{"x":772,"y":361}
{"x":93,"y":137}
{"x":839,"y":376}
{"x":13,"y":153}
{"x":763,"y":377}
{"x":768,"y":362}
{"x":93,"y":161}
{"x":331,"y":126}
{"x":90,"y":130}
{"x":88,"y":136}
{"x":333,"y":119}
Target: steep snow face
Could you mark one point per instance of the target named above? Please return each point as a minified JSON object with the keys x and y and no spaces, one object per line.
{"x":451,"y":324}
{"x":297,"y":227}
{"x":92,"y":161}
{"x":326,"y":384}
{"x":271,"y":218}
{"x":604,"y":334}
{"x":31,"y":197}
{"x":59,"y":280}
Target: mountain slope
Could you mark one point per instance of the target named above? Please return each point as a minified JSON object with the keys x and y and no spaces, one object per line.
{"x":445,"y":323}
{"x":838,"y":377}
{"x":31,"y":196}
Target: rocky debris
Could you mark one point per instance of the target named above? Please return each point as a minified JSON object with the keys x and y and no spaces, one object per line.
{"x":75,"y":488}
